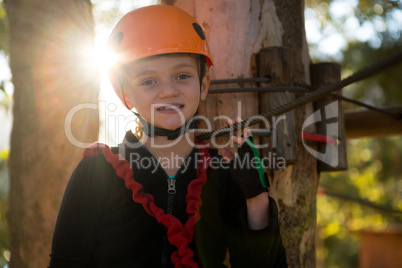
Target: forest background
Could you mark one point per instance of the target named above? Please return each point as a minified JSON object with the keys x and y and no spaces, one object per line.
{"x":353,"y":33}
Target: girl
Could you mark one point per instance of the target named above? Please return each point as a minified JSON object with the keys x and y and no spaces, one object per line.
{"x":166,"y":199}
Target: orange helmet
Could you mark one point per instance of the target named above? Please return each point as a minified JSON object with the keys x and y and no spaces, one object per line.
{"x":155,"y":30}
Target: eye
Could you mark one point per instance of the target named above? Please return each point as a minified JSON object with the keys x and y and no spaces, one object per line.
{"x":183,"y":77}
{"x":148,"y":82}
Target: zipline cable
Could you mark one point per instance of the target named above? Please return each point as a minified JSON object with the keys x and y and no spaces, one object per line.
{"x":258,"y":89}
{"x":359,"y":103}
{"x":298,"y":87}
{"x":309,"y":97}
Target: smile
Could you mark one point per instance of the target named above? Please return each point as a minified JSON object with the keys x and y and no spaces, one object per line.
{"x":170,"y":108}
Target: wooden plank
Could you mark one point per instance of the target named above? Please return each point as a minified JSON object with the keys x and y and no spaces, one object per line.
{"x":368,"y":123}
{"x":333,"y":157}
{"x":381,"y":248}
{"x":277,"y":63}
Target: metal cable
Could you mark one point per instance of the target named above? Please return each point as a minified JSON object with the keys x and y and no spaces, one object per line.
{"x":258,"y":89}
{"x":299,"y":87}
{"x":341,"y":97}
{"x":241,"y":80}
{"x":309,"y":97}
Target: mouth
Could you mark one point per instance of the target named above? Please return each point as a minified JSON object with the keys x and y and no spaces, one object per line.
{"x":171,"y":107}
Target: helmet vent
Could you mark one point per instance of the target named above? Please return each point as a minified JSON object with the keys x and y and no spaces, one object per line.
{"x":199,"y":30}
{"x":115,"y":40}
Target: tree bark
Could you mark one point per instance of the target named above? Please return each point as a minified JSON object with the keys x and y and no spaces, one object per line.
{"x":236,"y":31}
{"x":51,"y":76}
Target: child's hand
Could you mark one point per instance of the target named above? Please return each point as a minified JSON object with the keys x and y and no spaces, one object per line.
{"x":239,"y":137}
{"x":247,"y":169}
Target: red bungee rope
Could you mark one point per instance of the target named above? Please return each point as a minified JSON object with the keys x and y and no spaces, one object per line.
{"x":178,"y":235}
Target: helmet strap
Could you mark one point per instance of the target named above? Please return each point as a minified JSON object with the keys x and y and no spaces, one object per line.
{"x":202,"y":69}
{"x":152,"y":131}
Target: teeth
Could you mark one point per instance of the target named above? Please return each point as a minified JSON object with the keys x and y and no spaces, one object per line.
{"x":174,"y":107}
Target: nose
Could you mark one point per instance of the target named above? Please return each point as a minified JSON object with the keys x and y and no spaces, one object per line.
{"x":168,"y":89}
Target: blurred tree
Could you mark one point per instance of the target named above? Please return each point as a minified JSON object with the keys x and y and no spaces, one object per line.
{"x":4,"y":240}
{"x":3,"y":29}
{"x":367,"y":31}
{"x":4,"y":98}
{"x":5,"y":101}
{"x":50,"y":46}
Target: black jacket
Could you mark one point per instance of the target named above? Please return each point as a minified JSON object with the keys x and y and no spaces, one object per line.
{"x":99,"y":224}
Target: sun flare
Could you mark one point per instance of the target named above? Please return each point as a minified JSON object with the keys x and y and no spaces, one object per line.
{"x":97,"y":58}
{"x":104,"y":58}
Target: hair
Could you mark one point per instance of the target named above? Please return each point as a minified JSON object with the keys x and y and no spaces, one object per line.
{"x":138,"y":133}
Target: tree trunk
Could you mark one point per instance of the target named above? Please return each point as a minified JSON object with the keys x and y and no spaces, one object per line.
{"x":51,"y":75}
{"x":236,"y":31}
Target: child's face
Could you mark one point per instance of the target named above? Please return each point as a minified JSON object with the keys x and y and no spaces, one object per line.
{"x":165,"y":90}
